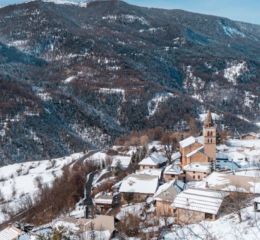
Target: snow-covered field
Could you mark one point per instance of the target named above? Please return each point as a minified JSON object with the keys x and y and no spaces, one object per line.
{"x":22,"y":180}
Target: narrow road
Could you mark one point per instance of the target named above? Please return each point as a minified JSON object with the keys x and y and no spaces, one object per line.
{"x":87,"y":194}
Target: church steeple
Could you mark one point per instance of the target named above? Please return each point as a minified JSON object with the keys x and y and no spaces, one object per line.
{"x":208,"y":120}
{"x":209,"y":133}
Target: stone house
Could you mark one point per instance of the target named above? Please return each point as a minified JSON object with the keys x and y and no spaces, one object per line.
{"x":195,"y":205}
{"x":138,"y":187}
{"x":155,"y":160}
{"x":165,"y":196}
{"x":106,"y":200}
{"x":173,"y":171}
{"x":196,"y":171}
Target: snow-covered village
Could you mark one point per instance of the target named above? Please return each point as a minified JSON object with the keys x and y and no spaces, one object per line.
{"x":129,"y":120}
{"x":199,"y":187}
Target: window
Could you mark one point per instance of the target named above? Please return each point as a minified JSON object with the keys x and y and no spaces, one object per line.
{"x":199,"y":177}
{"x":193,"y":177}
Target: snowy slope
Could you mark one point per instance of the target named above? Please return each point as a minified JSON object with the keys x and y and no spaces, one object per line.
{"x":73,"y":2}
{"x":20,"y":181}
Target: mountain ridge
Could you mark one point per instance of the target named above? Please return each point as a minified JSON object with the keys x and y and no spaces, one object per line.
{"x":112,"y":68}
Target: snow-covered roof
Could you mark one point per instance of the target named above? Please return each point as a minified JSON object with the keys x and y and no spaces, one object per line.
{"x":187,"y":142}
{"x":169,"y":190}
{"x":201,"y":200}
{"x":10,"y":233}
{"x":124,"y":161}
{"x":153,"y":172}
{"x":175,"y":156}
{"x":173,"y":169}
{"x":198,"y":167}
{"x":236,"y":156}
{"x":103,"y":198}
{"x":222,"y":155}
{"x":139,"y":183}
{"x":200,"y":139}
{"x":195,"y":151}
{"x":257,"y":200}
{"x":154,"y":159}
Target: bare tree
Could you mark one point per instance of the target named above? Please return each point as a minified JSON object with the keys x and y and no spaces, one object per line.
{"x":170,"y":145}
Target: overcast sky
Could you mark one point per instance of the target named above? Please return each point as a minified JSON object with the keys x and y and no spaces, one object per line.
{"x":244,"y":10}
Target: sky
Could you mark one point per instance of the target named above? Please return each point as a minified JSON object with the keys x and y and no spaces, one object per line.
{"x":242,"y":10}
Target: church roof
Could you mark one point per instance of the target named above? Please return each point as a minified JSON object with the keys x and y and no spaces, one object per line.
{"x":209,"y":121}
{"x":187,"y":142}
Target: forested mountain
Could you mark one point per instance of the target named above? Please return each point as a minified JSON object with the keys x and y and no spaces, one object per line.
{"x":75,"y":77}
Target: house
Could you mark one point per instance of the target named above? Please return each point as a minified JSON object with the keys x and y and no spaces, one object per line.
{"x":153,"y":172}
{"x":104,"y":201}
{"x":10,"y":233}
{"x":165,"y":195}
{"x":197,"y":171}
{"x":195,"y":205}
{"x":137,"y":187}
{"x":155,"y":160}
{"x":173,"y":171}
{"x":101,"y":226}
{"x":121,"y":162}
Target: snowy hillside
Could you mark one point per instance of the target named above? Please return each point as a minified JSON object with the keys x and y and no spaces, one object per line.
{"x":19,"y":182}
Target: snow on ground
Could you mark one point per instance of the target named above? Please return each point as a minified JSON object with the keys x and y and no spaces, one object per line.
{"x":134,"y":209}
{"x":244,"y":143}
{"x":81,"y":3}
{"x":234,"y":70}
{"x":22,"y":45}
{"x":20,"y":181}
{"x":113,"y":91}
{"x":127,"y":18}
{"x":225,"y":228}
{"x":191,"y":81}
{"x":69,"y":79}
{"x":249,"y":99}
{"x":154,"y":103}
{"x":231,"y":31}
{"x":91,"y":134}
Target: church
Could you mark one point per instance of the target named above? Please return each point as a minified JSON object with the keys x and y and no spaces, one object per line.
{"x":199,"y":154}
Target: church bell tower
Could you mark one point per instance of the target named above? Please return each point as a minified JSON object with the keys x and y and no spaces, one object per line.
{"x":209,"y":133}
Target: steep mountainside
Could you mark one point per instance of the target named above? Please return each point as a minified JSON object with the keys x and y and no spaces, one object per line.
{"x":77,"y":77}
